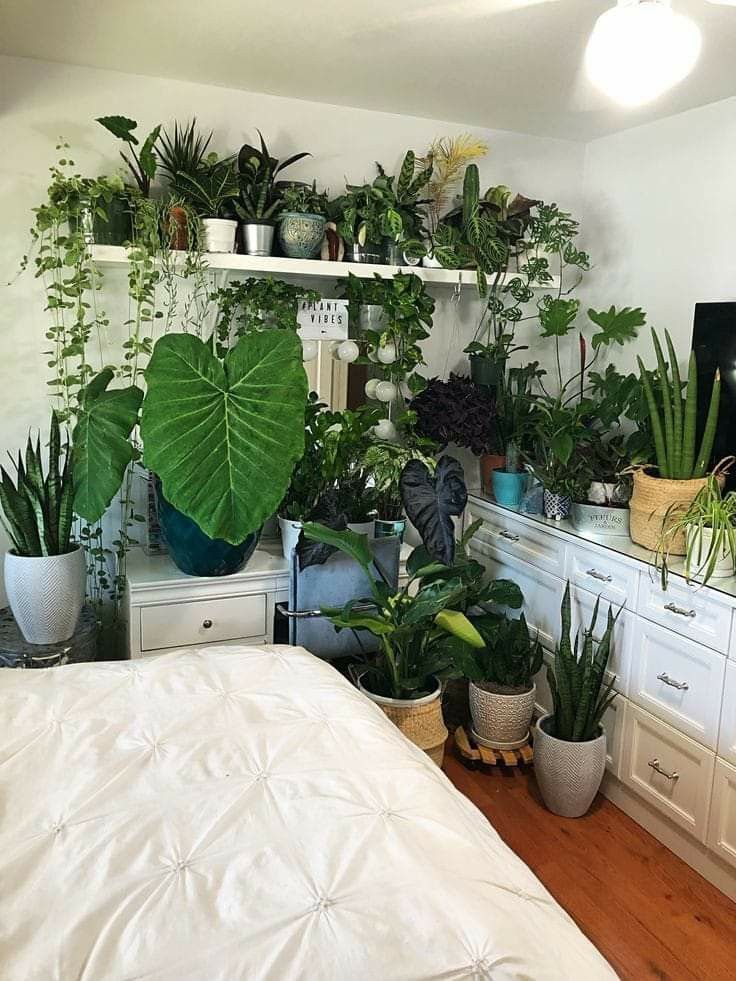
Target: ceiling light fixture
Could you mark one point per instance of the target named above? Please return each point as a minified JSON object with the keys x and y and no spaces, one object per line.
{"x":639,"y":49}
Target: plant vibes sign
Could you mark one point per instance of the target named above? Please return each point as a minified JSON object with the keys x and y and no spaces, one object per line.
{"x":325,"y":320}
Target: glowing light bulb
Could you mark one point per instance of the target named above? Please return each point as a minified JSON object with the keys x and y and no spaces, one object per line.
{"x":385,"y":429}
{"x":348,"y":351}
{"x":309,"y":350}
{"x":385,"y":391}
{"x":639,"y":49}
{"x":370,"y":388}
{"x":387,"y":353}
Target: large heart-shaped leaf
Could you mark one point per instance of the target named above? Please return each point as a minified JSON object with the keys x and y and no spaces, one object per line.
{"x":224,"y":436}
{"x":432,"y":500}
{"x":102,"y":449}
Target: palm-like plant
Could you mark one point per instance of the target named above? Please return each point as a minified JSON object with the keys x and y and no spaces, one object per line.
{"x":38,"y":509}
{"x":448,"y":157}
{"x":183,"y":152}
{"x":210,"y":189}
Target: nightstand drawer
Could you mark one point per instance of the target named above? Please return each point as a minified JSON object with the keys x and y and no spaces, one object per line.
{"x":534,"y":545}
{"x":678,"y":681}
{"x":692,"y":611}
{"x":667,"y":769}
{"x":203,"y":621}
{"x":603,"y":575}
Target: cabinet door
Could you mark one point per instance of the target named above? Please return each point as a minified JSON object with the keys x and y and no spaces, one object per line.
{"x":506,"y":532}
{"x":727,"y":733}
{"x":678,"y":681}
{"x":604,"y":575}
{"x":693,"y":612}
{"x":722,"y":824}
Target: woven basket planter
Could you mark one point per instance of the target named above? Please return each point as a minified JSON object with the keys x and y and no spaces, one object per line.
{"x":501,"y":720}
{"x":651,"y":501}
{"x":420,"y":719}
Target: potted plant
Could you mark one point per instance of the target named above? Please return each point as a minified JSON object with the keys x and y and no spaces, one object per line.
{"x":386,"y":461}
{"x":259,"y":303}
{"x":357,"y":216}
{"x":569,"y":744}
{"x":185,"y":151}
{"x":601,"y":504}
{"x":401,"y":210}
{"x":502,"y":689}
{"x":681,"y":471}
{"x":117,"y":226}
{"x":210,"y":191}
{"x":410,"y":624}
{"x":302,"y":221}
{"x":45,"y":572}
{"x":260,"y":200}
{"x":506,"y":476}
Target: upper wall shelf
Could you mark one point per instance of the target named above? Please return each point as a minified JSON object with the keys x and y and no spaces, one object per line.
{"x":313,"y":268}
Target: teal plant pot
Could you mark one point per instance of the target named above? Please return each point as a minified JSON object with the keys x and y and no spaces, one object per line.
{"x":195,"y":553}
{"x":483,"y":371}
{"x":300,"y":236}
{"x":509,"y":488}
{"x":385,"y":529}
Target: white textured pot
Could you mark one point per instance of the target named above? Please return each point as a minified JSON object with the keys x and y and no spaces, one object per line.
{"x":698,"y":545}
{"x":46,"y":594}
{"x":501,"y":721}
{"x":219,"y":234}
{"x":569,"y":774}
{"x":429,"y":262}
{"x":290,"y":531}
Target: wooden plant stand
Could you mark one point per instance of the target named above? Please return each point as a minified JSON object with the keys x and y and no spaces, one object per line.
{"x":474,"y":754}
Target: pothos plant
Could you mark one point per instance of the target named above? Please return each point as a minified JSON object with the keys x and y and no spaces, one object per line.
{"x":259,"y":304}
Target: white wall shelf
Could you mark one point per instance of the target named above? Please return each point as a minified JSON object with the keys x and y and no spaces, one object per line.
{"x":112,"y":255}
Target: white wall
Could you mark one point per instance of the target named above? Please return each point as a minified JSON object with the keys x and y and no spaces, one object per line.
{"x":42,"y":101}
{"x":660,"y":219}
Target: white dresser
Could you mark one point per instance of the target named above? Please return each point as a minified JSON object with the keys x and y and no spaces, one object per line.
{"x":672,"y":730}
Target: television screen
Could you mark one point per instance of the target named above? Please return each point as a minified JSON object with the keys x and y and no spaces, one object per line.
{"x":714,"y":343}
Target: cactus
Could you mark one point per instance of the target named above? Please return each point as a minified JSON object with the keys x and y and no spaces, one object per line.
{"x":38,"y":510}
{"x":674,"y":428}
{"x":576,"y":680}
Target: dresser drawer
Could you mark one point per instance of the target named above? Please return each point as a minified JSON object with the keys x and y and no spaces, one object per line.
{"x":670,"y":771}
{"x":534,"y":545}
{"x":614,"y":726}
{"x":542,"y":592}
{"x":727,"y":733}
{"x":604,"y":576}
{"x":692,"y":611}
{"x":203,"y":621}
{"x":582,"y":605}
{"x":722,"y":824}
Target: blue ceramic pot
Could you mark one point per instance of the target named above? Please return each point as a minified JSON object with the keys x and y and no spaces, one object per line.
{"x":509,"y":488}
{"x":300,"y":236}
{"x":194,"y":552}
{"x":385,"y":529}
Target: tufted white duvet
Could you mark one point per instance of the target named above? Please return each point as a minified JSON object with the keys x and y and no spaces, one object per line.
{"x":242,"y":813}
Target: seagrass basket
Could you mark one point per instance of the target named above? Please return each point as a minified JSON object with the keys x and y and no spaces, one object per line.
{"x":655,"y":504}
{"x":419,"y":719}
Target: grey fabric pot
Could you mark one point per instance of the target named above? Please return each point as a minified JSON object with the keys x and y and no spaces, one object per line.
{"x":501,"y":721}
{"x":46,"y":594}
{"x":569,"y":774}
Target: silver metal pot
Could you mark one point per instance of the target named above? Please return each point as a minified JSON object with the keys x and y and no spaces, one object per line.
{"x":257,"y":239}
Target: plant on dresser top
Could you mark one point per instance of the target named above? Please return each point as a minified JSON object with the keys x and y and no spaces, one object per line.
{"x":385,"y":462}
{"x":45,"y":572}
{"x":302,"y":221}
{"x":657,"y":500}
{"x":569,"y":744}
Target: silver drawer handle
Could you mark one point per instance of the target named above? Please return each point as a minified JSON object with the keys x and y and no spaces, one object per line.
{"x":206,"y":624}
{"x":671,"y":608}
{"x":594,"y":574}
{"x":509,"y":536}
{"x":655,"y":765}
{"x":680,"y":685}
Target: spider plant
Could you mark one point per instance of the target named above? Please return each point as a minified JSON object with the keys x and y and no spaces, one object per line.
{"x":37,"y":509}
{"x":710,"y":534}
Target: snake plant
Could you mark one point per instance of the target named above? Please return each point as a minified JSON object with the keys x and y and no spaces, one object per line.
{"x":576,"y":680}
{"x":38,"y":509}
{"x":674,"y":427}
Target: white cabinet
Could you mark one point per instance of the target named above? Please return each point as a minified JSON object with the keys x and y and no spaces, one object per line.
{"x":203,"y":622}
{"x":727,"y":733}
{"x":604,"y":575}
{"x":690,"y":611}
{"x":722,"y":826}
{"x":582,"y":605}
{"x":667,"y":769}
{"x":520,"y":539}
{"x":678,"y":681}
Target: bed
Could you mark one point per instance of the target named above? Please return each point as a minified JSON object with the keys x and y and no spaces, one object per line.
{"x":245,"y":813}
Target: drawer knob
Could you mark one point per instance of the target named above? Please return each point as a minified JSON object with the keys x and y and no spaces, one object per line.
{"x":206,"y":624}
{"x":680,"y":685}
{"x":655,"y":765}
{"x":601,"y":576}
{"x":509,"y":536}
{"x":679,"y":610}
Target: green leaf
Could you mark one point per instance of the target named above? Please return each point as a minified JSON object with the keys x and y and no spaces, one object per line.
{"x":617,"y":326}
{"x":147,"y":157}
{"x":120,"y":126}
{"x":457,"y":624}
{"x":557,"y":316}
{"x":347,"y":618}
{"x":502,"y":592}
{"x":562,"y":445}
{"x":432,"y":598}
{"x":102,"y":450}
{"x":224,"y":436}
{"x":349,"y":542}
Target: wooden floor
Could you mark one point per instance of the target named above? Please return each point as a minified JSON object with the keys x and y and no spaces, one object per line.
{"x":647,"y":912}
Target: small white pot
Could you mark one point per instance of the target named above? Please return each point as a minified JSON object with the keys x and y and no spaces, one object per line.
{"x":700,"y":555}
{"x":569,"y":774}
{"x":363,"y":528}
{"x":501,"y":721}
{"x":219,"y":234}
{"x":290,"y":531}
{"x":430,"y":262}
{"x":46,"y":594}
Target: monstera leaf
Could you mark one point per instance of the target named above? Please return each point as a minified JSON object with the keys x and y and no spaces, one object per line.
{"x":102,"y":449}
{"x":223,"y":436}
{"x":431,"y":501}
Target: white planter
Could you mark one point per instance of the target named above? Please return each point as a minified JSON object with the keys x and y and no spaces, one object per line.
{"x":290,"y":531}
{"x":569,"y":774}
{"x":363,"y":528}
{"x":501,"y":721}
{"x":429,"y":262}
{"x":700,"y":556}
{"x":219,"y":234}
{"x":46,"y":594}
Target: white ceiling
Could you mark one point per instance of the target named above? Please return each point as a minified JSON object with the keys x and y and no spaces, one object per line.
{"x":504,"y":64}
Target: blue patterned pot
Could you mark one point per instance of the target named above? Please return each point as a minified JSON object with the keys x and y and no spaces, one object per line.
{"x":556,"y":506}
{"x":194,"y":552}
{"x":300,"y":236}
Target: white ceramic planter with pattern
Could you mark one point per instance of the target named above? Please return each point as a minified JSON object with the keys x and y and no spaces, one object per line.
{"x":46,"y":594}
{"x":501,"y":721}
{"x":569,"y":774}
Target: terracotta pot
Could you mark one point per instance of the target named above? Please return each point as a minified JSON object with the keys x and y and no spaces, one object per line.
{"x":655,"y":503}
{"x":488,"y":463}
{"x":177,"y":229}
{"x":420,"y":719}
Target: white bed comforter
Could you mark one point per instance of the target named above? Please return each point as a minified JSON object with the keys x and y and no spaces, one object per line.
{"x":245,"y":813}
